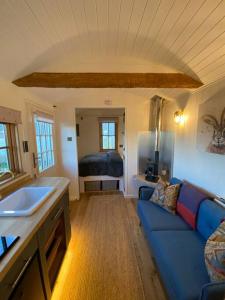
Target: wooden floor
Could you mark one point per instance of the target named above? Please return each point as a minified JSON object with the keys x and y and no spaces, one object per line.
{"x":108,"y":257}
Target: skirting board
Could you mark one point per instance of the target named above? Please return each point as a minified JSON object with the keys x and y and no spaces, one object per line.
{"x":126,"y":196}
{"x":82,"y":181}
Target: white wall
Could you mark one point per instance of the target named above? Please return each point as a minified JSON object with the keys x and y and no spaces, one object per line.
{"x":20,"y":99}
{"x":204,"y":169}
{"x":137,"y":114}
{"x":88,"y":141}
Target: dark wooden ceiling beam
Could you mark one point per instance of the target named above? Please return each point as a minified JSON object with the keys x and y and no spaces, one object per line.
{"x":108,"y":80}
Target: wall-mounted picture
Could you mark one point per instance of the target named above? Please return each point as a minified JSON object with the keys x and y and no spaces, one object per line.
{"x":211,"y":126}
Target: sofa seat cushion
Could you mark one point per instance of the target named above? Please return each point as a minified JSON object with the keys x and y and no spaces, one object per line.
{"x":153,"y":217}
{"x":180,"y":258}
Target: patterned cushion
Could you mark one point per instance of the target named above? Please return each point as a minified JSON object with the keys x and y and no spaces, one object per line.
{"x":166,"y":196}
{"x":215,"y":254}
{"x":188,"y":203}
{"x":170,"y":200}
{"x":158,"y":193}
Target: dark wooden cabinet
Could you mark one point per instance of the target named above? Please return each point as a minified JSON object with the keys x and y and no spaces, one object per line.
{"x":53,"y":239}
{"x":25,"y":272}
{"x":30,"y":282}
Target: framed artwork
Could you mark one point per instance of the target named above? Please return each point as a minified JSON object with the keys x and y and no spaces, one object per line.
{"x":211,"y":126}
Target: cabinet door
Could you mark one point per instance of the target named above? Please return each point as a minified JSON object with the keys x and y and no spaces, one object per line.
{"x":30,"y":285}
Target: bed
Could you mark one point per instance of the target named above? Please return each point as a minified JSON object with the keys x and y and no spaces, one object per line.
{"x":101,"y":167}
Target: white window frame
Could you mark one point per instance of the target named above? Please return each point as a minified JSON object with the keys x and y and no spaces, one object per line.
{"x":45,"y":118}
{"x":108,"y":120}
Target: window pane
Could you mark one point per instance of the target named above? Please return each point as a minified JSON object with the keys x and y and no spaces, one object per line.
{"x":48,"y":142}
{"x":44,"y":159}
{"x":40,"y":164}
{"x":105,"y":128}
{"x":112,"y":128}
{"x":38,"y":144}
{"x":49,"y":158}
{"x":112,"y":143}
{"x":44,"y":145}
{"x":3,"y":136}
{"x":50,"y":129}
{"x":105,"y":142}
{"x":4,"y":161}
{"x":37,"y":127}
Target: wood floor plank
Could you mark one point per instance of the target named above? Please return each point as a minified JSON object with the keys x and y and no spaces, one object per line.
{"x":108,"y":257}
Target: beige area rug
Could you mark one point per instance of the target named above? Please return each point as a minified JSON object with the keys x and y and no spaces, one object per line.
{"x":108,"y":257}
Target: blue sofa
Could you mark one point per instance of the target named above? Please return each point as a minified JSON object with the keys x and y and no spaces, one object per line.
{"x":178,"y":250}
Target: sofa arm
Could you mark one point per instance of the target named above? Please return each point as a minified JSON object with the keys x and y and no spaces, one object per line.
{"x":213,"y":291}
{"x":145,"y":192}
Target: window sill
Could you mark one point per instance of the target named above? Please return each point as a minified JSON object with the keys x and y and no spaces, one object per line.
{"x":11,"y":183}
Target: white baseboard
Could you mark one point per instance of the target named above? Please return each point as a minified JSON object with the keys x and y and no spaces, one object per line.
{"x":130,"y":196}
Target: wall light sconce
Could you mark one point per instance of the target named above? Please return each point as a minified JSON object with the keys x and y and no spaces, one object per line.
{"x":179,"y":117}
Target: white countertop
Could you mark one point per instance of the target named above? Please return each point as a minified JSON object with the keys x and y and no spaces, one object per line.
{"x":26,"y":227}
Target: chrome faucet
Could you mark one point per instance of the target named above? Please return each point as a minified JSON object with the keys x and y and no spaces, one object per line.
{"x":7,"y":172}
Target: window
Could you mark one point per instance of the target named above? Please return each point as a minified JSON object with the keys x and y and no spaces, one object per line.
{"x":108,"y":135}
{"x":44,"y":141}
{"x":9,"y":154}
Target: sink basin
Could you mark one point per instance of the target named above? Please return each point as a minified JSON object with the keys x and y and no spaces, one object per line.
{"x":25,"y":201}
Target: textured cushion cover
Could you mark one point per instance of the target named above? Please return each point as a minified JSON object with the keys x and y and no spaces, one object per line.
{"x":166,"y":196}
{"x":153,"y":217}
{"x":210,"y":216}
{"x":158,"y":194}
{"x":170,"y":198}
{"x":215,"y":254}
{"x":180,"y":258}
{"x":188,"y":203}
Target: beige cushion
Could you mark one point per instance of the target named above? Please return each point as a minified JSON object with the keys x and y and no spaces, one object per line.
{"x":215,"y":254}
{"x":166,"y":196}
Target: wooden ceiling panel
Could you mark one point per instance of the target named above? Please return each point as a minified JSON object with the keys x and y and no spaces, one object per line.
{"x":108,"y":80}
{"x":171,"y":33}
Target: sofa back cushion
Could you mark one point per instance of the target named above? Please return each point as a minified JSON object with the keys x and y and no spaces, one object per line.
{"x":188,"y":203}
{"x":175,"y":180}
{"x":210,"y":216}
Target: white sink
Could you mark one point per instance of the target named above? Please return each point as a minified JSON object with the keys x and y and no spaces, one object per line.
{"x":25,"y":201}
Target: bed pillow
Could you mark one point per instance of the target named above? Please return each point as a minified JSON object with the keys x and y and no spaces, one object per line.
{"x":166,"y":196}
{"x":215,"y":254}
{"x":188,"y":203}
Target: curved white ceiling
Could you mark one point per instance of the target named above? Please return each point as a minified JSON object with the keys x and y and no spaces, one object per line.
{"x":113,"y":35}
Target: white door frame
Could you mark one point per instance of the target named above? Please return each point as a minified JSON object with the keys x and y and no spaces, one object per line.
{"x":125,"y":175}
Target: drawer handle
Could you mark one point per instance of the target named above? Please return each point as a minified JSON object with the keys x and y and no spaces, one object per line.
{"x":58,"y":213}
{"x":21,"y":272}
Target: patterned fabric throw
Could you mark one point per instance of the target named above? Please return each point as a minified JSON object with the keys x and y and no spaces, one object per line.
{"x":215,"y":254}
{"x":166,"y":196}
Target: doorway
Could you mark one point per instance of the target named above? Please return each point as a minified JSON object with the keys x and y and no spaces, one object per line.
{"x":101,"y":149}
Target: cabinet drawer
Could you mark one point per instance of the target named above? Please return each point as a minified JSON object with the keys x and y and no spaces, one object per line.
{"x":50,"y":222}
{"x":10,"y":280}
